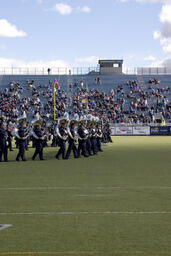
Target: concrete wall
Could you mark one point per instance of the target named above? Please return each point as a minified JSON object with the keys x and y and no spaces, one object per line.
{"x":111,"y":71}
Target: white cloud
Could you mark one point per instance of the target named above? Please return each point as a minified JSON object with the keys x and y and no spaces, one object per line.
{"x":84,"y":9}
{"x":129,"y":57}
{"x":156,"y":35}
{"x":167,"y":62}
{"x":166,"y":44}
{"x":149,"y":58}
{"x":157,"y":63}
{"x":16,"y":63}
{"x":9,"y":30}
{"x":165,"y":35}
{"x":165,"y":19}
{"x":162,"y":63}
{"x":90,"y":60}
{"x":147,"y":1}
{"x":63,"y":9}
{"x":165,"y":15}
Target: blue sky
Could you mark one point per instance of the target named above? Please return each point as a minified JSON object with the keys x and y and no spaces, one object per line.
{"x":78,"y":32}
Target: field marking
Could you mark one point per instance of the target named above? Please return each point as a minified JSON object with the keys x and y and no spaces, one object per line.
{"x":86,"y":188}
{"x":116,"y":252}
{"x":4,"y":226}
{"x":98,"y":195}
{"x":84,"y":213}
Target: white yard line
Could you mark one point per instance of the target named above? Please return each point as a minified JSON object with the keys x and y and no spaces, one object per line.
{"x":86,"y":213}
{"x":4,"y":226}
{"x":88,"y":188}
{"x":98,"y":195}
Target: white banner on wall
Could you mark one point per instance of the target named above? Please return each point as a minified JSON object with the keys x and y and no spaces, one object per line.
{"x":141,"y":130}
{"x":136,"y":130}
{"x":124,"y":131}
{"x":113,"y":131}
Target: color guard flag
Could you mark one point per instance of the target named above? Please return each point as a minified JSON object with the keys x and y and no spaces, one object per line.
{"x":57,"y":84}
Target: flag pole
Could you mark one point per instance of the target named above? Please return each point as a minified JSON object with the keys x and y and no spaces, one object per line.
{"x":87,"y":99}
{"x":54,"y":102}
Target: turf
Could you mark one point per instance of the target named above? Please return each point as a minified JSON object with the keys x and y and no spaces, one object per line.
{"x":115,"y":203}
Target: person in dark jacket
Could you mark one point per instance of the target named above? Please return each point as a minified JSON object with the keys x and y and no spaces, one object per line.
{"x":22,"y":135}
{"x":9,"y":138}
{"x":39,"y":136}
{"x":72,"y":137}
{"x":62,"y":135}
{"x":82,"y":137}
{"x":3,"y":143}
{"x":93,"y":139}
{"x":99,"y":137}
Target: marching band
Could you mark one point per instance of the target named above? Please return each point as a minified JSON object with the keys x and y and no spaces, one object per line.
{"x":87,"y":130}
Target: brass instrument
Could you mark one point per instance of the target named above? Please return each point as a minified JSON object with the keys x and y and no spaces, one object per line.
{"x":73,"y":121}
{"x":37,"y":120}
{"x":83,"y":120}
{"x":22,"y":119}
{"x":63,"y":120}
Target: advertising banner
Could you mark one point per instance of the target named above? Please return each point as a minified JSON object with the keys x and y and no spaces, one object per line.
{"x":141,"y":130}
{"x":159,"y":130}
{"x":124,"y":131}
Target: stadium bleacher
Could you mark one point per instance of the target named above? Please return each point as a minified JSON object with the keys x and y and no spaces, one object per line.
{"x":106,"y":84}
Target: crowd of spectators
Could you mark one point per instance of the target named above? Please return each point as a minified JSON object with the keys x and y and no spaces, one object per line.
{"x":126,"y":103}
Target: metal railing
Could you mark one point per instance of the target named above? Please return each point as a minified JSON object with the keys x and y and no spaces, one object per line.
{"x":49,"y":71}
{"x":148,"y":71}
{"x":81,"y":70}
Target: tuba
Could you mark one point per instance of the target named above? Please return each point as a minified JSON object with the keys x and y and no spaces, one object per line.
{"x":98,"y":129}
{"x":62,"y":120}
{"x":83,"y":120}
{"x":73,"y":121}
{"x":90,"y":119}
{"x":97,"y":120}
{"x":22,"y":119}
{"x":37,"y":120}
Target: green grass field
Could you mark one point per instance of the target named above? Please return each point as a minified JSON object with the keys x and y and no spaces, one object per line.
{"x":116,"y":203}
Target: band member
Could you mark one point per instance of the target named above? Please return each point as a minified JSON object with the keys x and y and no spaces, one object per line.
{"x":22,"y":136}
{"x":3,"y":142}
{"x":72,"y":137}
{"x":9,"y":139}
{"x":39,"y":137}
{"x":54,"y":137}
{"x":88,"y":141}
{"x":93,"y":138}
{"x":99,"y":135}
{"x":108,"y":133}
{"x":61,"y":131}
{"x":82,"y":137}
